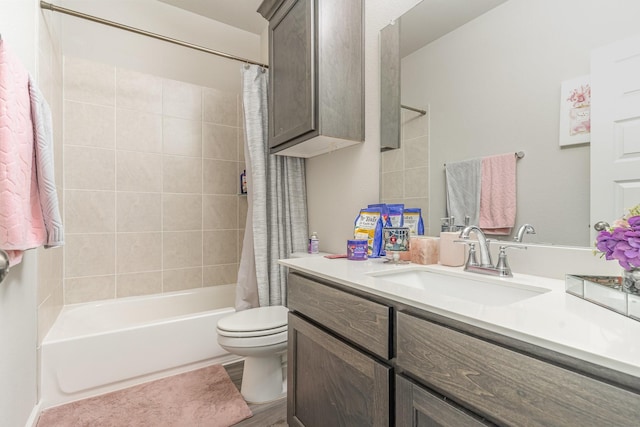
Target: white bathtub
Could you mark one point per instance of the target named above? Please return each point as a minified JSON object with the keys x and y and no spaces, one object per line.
{"x":98,"y":347}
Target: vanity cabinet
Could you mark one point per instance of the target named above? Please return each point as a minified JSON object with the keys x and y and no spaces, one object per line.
{"x":316,"y":77}
{"x":504,"y":386}
{"x":333,"y":377}
{"x":359,"y":359}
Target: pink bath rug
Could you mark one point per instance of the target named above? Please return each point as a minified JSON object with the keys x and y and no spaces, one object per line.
{"x":202,"y":398}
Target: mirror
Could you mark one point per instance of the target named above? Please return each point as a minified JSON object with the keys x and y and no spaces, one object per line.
{"x":490,"y":83}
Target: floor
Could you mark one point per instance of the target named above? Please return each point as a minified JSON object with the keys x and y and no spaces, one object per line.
{"x":273,"y":414}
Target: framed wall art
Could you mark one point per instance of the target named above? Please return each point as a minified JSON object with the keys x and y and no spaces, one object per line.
{"x":575,"y":111}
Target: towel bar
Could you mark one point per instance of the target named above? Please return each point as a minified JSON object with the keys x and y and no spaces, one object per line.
{"x":4,"y":265}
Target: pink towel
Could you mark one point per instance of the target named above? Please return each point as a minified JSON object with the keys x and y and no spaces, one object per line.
{"x":498,"y":194}
{"x":21,"y":223}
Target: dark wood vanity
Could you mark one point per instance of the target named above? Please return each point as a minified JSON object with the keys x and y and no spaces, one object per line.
{"x":358,"y":359}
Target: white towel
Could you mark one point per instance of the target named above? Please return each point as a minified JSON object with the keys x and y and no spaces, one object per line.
{"x":463,"y":190}
{"x":43,"y":145}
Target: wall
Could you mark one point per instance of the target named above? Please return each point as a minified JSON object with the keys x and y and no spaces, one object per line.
{"x":493,"y":86}
{"x":404,"y":169}
{"x":151,"y":174}
{"x":167,"y":231}
{"x":355,"y":170}
{"x":100,"y":43}
{"x":18,"y":293}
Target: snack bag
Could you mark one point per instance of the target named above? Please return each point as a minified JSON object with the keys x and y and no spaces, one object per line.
{"x":412,"y":218}
{"x":384,"y":211}
{"x":395,"y":214}
{"x":368,"y":226}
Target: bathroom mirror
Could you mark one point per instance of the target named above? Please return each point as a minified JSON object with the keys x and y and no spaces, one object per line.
{"x":490,"y":83}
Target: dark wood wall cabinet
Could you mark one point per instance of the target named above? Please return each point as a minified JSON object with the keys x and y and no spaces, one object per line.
{"x":357,"y":359}
{"x":316,"y":75}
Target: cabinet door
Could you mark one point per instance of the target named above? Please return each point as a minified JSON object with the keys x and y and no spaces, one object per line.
{"x":292,"y":75}
{"x":331,"y":383}
{"x":416,"y":407}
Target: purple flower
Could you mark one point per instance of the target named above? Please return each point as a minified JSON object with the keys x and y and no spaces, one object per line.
{"x":622,"y":242}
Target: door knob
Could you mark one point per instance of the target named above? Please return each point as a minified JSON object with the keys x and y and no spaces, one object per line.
{"x":601,"y":226}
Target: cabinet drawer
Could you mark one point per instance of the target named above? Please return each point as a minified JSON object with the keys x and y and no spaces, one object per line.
{"x":360,"y":321}
{"x":504,"y":386}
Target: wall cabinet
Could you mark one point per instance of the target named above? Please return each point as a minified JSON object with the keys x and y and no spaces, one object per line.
{"x":356,"y":359}
{"x":316,"y":75}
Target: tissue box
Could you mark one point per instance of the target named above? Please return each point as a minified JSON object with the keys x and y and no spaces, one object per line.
{"x":424,"y":250}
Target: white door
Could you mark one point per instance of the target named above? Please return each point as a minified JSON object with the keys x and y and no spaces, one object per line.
{"x":615,"y":130}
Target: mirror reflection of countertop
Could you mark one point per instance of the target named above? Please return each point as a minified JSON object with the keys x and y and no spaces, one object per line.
{"x":550,"y":318}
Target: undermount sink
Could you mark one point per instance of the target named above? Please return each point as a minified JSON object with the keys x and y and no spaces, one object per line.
{"x":483,"y":290}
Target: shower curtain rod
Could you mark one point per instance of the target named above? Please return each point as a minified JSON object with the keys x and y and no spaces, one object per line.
{"x":54,"y":8}
{"x":417,"y":110}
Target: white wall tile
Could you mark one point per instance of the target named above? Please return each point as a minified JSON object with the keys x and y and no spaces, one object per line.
{"x":140,"y":172}
{"x":182,"y":100}
{"x":138,"y":91}
{"x":88,"y":81}
{"x":89,"y":125}
{"x":138,"y":131}
{"x":89,"y":168}
{"x":182,"y":137}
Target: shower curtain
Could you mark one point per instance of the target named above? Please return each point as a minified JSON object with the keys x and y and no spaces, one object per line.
{"x":277,"y":203}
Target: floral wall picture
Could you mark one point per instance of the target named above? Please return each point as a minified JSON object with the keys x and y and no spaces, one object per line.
{"x":575,"y":111}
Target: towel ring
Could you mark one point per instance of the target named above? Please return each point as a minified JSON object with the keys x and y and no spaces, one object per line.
{"x":4,"y":265}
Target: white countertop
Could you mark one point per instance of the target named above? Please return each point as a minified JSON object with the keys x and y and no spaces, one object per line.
{"x":554,"y":320}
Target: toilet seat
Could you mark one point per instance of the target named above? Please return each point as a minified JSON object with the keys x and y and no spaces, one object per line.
{"x":252,"y":342}
{"x":249,"y":334}
{"x":255,"y":322}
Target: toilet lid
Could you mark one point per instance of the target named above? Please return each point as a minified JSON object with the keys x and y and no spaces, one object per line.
{"x":266,"y":320}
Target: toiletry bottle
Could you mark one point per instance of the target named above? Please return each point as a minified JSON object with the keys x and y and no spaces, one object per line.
{"x":314,"y":243}
{"x":243,"y":182}
{"x":451,"y":253}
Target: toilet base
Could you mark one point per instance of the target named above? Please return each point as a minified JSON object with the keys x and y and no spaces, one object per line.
{"x":262,"y":379}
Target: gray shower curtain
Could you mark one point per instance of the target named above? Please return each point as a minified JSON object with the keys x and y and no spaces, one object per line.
{"x":277,"y":203}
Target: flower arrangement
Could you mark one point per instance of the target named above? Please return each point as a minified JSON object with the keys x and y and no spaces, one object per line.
{"x":622,"y":240}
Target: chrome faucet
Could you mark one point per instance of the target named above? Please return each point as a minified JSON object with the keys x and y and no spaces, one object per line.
{"x":485,"y":266}
{"x":485,"y":255}
{"x":524,"y":229}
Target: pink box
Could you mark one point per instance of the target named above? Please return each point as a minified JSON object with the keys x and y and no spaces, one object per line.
{"x":424,"y":250}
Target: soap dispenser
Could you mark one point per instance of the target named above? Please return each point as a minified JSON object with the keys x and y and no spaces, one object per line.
{"x":451,"y":253}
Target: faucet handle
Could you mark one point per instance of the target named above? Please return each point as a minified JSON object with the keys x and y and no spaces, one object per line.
{"x":503,"y":266}
{"x":472,"y":261}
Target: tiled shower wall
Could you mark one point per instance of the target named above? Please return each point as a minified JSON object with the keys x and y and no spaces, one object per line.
{"x":405,"y":171}
{"x":151,"y":183}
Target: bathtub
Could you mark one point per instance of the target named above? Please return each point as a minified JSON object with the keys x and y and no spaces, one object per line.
{"x":98,"y":347}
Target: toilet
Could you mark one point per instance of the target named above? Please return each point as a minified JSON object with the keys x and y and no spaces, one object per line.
{"x":260,"y":335}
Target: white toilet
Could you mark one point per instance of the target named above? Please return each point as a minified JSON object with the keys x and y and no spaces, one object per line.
{"x":260,"y":335}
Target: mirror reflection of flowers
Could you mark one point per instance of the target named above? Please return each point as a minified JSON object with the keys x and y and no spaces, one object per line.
{"x":622,"y":240}
{"x":580,"y":96}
